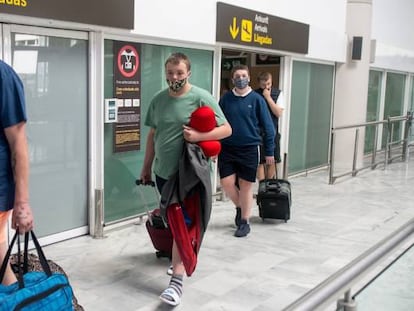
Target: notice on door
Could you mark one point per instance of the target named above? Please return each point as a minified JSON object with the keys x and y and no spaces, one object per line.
{"x":127,"y":134}
{"x":127,"y":92}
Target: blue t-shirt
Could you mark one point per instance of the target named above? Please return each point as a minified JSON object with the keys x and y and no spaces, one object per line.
{"x":12,"y":112}
{"x":247,"y":115}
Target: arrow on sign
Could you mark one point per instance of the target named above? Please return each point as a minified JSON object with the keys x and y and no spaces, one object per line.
{"x":234,"y":30}
{"x":226,"y":65}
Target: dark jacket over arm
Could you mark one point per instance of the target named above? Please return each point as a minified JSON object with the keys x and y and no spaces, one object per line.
{"x":190,"y":188}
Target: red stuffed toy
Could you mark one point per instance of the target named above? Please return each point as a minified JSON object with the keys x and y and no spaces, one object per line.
{"x":203,"y":119}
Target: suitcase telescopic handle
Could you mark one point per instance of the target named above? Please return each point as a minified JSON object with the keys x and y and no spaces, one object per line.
{"x":139,"y":182}
{"x":151,"y":183}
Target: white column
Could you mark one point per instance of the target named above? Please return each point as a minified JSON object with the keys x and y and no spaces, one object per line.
{"x":351,"y":86}
{"x":96,"y":137}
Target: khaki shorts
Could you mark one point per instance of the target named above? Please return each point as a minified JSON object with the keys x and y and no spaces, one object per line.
{"x":4,"y":216}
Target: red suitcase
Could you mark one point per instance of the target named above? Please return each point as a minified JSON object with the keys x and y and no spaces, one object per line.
{"x":160,"y":235}
{"x":158,"y":231}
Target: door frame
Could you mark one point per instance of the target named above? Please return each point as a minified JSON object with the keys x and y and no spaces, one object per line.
{"x":6,"y":29}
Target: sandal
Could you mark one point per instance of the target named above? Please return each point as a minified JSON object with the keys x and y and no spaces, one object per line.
{"x":170,"y":296}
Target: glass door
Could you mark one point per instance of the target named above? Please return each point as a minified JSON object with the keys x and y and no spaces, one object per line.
{"x":53,"y":65}
{"x":310,"y":115}
{"x":122,"y":199}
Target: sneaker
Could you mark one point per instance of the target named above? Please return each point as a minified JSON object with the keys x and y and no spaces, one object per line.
{"x":238,"y":216}
{"x":243,"y":229}
{"x":170,"y":270}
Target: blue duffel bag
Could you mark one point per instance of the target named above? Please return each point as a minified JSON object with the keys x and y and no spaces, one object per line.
{"x":34,"y":291}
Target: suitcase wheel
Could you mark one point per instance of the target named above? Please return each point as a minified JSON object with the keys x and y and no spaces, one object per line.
{"x":161,"y":254}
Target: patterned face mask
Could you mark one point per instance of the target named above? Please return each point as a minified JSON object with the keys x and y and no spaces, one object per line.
{"x":176,"y":86}
{"x":241,"y":83}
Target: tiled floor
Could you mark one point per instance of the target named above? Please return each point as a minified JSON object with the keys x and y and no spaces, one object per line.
{"x":277,"y":263}
{"x":393,"y":289}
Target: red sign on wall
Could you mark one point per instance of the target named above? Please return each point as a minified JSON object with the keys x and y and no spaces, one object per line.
{"x":127,"y":73}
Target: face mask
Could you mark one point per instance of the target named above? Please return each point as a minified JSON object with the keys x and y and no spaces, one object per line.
{"x":241,"y":83}
{"x":176,"y":86}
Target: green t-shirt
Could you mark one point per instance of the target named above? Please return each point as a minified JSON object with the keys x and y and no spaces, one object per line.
{"x":167,"y":115}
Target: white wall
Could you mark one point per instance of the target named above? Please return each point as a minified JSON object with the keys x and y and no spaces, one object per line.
{"x":393,"y":22}
{"x":393,"y":28}
{"x":195,"y":21}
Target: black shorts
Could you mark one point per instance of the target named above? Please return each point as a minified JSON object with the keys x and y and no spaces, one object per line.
{"x":278,"y":159}
{"x":242,"y":161}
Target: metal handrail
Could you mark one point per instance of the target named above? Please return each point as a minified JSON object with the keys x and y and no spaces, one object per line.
{"x":389,"y":143}
{"x":410,"y":132}
{"x":341,"y":282}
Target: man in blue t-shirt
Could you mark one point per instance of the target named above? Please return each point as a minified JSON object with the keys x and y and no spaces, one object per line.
{"x":14,"y":162}
{"x":247,"y":114}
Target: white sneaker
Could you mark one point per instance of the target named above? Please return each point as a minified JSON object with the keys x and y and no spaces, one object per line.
{"x":170,"y":270}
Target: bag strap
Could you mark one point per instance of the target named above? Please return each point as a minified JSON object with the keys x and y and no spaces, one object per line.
{"x":40,"y":254}
{"x":24,"y":269}
{"x":6,"y":259}
{"x":19,"y":264}
{"x":26,"y":254}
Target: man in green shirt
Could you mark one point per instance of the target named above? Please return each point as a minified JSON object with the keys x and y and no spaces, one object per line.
{"x":168,"y":115}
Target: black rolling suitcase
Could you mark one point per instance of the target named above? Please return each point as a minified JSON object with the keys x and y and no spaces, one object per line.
{"x":160,"y":234}
{"x":274,"y":197}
